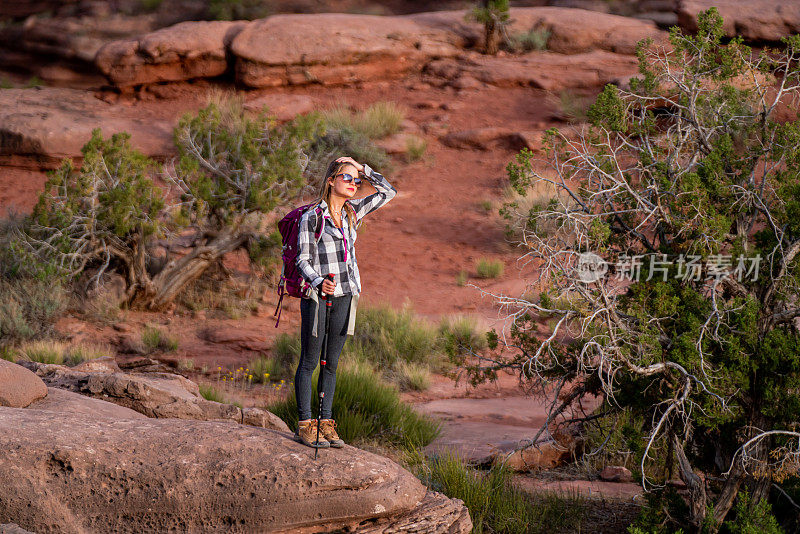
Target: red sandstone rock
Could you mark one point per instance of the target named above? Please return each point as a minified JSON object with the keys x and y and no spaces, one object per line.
{"x":755,"y":20}
{"x":181,"y":52}
{"x":40,"y":127}
{"x":67,"y":473}
{"x":572,"y":31}
{"x":63,"y":401}
{"x":616,"y":473}
{"x":543,"y":70}
{"x":19,"y":387}
{"x":334,"y":48}
{"x":157,"y":395}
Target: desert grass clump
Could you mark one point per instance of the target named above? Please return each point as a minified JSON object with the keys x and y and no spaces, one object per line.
{"x":486,"y":268}
{"x":367,"y":408}
{"x":57,"y":352}
{"x":343,"y":139}
{"x":412,"y":376}
{"x":495,"y":504}
{"x":461,"y":278}
{"x":216,"y":291}
{"x":29,"y":308}
{"x":415,"y":148}
{"x":387,"y":335}
{"x":375,"y":122}
{"x":209,"y":392}
{"x":265,"y":368}
{"x":534,"y":39}
{"x":461,"y":333}
{"x":154,"y":339}
{"x":286,"y":350}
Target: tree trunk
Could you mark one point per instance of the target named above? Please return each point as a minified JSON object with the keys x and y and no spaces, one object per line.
{"x":728,"y":494}
{"x":491,"y":38}
{"x":166,"y":285}
{"x":696,"y":486}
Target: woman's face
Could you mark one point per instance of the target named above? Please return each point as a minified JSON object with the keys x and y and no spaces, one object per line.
{"x":342,"y":188}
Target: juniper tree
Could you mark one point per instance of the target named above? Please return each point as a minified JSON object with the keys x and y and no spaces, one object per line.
{"x":493,"y":14}
{"x":233,"y":170}
{"x":668,"y":269}
{"x":99,"y":216}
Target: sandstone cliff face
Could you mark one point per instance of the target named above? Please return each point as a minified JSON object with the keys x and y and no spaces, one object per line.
{"x":338,"y":48}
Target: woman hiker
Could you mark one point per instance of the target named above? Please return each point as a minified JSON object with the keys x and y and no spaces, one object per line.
{"x":334,"y":253}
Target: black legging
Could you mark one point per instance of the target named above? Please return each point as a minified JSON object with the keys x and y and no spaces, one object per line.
{"x":311,"y":350}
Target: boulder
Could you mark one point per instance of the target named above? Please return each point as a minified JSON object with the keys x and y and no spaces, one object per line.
{"x":181,"y":52}
{"x":71,"y":473}
{"x":41,"y":126}
{"x":19,"y":387}
{"x":63,"y":401}
{"x":335,"y":48}
{"x":542,"y":70}
{"x":755,"y":20}
{"x":616,"y":473}
{"x":156,"y":395}
{"x":545,"y":454}
{"x":572,"y":31}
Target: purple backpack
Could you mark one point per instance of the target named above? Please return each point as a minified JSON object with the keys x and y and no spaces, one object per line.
{"x":292,"y":282}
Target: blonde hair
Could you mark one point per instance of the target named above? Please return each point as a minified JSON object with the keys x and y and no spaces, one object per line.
{"x":325,"y":189}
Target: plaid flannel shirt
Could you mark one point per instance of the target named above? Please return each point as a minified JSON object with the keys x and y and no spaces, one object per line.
{"x":335,"y":250}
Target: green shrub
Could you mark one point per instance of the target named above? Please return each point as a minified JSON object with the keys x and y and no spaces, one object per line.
{"x":461,"y":278}
{"x":6,"y":353}
{"x":366,"y":408}
{"x":486,"y":268}
{"x":286,"y":349}
{"x":495,"y":504}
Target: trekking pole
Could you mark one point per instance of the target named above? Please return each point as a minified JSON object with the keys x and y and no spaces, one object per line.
{"x":323,"y":356}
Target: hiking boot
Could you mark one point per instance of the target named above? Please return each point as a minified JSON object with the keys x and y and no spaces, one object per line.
{"x":328,"y":428}
{"x":307,"y":434}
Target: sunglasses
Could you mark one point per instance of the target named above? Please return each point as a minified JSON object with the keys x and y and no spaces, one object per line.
{"x":347,"y":178}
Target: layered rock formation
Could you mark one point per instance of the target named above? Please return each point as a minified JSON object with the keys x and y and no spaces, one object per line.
{"x":181,"y":52}
{"x":337,"y":48}
{"x":156,"y":395}
{"x":754,"y":20}
{"x":40,"y":127}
